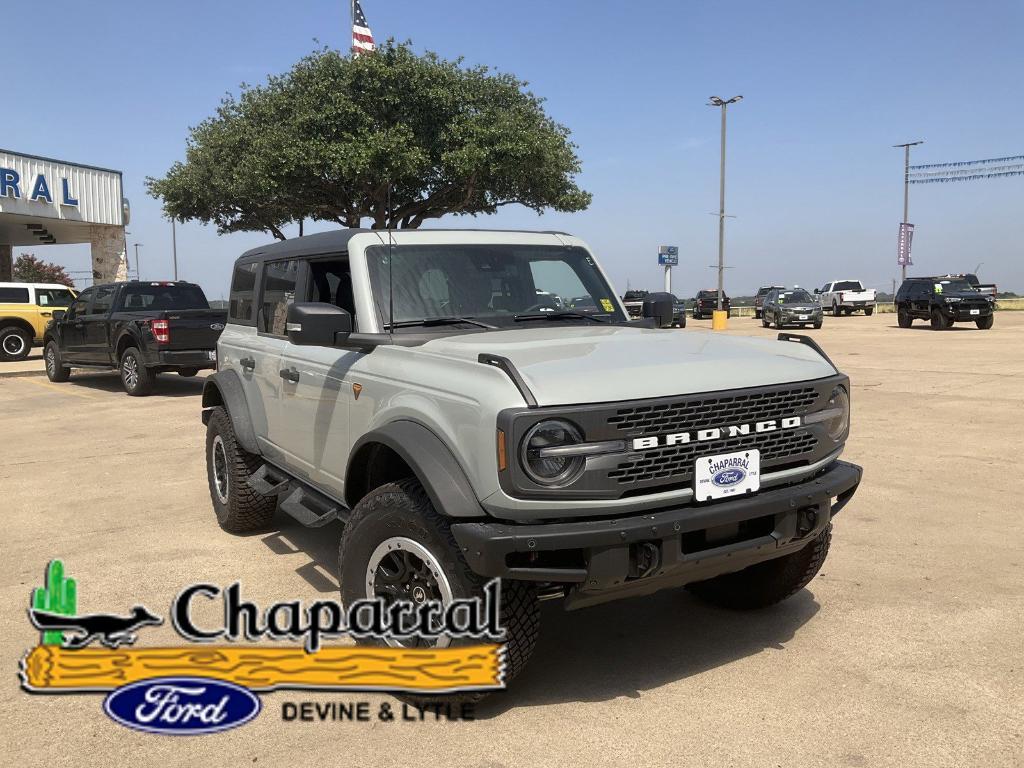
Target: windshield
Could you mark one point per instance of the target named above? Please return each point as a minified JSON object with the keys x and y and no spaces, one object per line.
{"x":495,"y":284}
{"x":160,"y":296}
{"x":848,"y":285}
{"x":943,"y":286}
{"x":795,"y":297}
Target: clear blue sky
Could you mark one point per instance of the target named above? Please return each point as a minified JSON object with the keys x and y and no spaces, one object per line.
{"x":812,"y":178}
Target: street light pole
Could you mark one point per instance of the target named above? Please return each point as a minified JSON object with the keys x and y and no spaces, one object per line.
{"x":715,"y":101}
{"x":138,"y":272}
{"x":906,"y":187}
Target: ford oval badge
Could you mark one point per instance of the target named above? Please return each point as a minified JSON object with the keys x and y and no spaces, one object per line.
{"x":729,"y":477}
{"x":216,"y":326}
{"x":182,"y":706}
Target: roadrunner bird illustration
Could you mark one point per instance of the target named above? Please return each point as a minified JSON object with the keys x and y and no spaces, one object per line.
{"x":112,"y":631}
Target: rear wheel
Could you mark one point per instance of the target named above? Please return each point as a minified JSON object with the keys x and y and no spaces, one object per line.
{"x":135,"y":376}
{"x":904,"y":318}
{"x":188,"y":372}
{"x":15,"y":343}
{"x":55,"y":369}
{"x":984,"y":323}
{"x":869,"y":311}
{"x":769,"y":582}
{"x":757,"y":314}
{"x":396,"y":546}
{"x":238,"y":507}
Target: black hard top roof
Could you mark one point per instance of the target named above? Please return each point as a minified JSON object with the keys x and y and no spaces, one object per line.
{"x":336,"y":241}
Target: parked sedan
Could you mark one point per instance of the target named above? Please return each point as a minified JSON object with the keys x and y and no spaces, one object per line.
{"x":706,"y":302}
{"x":790,"y":306}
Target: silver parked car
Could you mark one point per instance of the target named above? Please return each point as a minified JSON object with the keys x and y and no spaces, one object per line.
{"x":790,"y":306}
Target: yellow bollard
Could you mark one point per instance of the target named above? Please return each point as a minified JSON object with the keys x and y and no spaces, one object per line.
{"x":719,"y":320}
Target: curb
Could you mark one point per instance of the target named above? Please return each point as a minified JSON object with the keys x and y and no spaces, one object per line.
{"x":20,"y":374}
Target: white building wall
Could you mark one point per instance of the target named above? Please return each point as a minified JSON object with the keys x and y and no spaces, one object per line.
{"x":99,"y":192}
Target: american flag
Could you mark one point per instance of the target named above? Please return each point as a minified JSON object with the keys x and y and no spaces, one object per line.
{"x":362,"y":37}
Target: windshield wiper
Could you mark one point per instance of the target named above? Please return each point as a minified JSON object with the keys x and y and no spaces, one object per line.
{"x":560,"y":316}
{"x":429,"y":321}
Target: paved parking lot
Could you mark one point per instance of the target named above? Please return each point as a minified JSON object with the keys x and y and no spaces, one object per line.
{"x":906,"y":650}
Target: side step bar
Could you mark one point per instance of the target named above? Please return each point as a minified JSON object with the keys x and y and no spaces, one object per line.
{"x":306,"y":505}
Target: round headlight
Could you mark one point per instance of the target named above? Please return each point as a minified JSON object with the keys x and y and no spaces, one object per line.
{"x":837,"y":424}
{"x":545,"y":466}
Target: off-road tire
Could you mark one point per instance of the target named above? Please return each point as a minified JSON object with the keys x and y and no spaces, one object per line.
{"x":869,"y":311}
{"x":984,"y":323}
{"x":18,"y":340}
{"x":938,"y":321}
{"x":56,"y":371}
{"x":903,"y":317}
{"x":403,"y":508}
{"x":188,"y":373}
{"x":767,"y":583}
{"x":141,"y":384}
{"x":245,"y":509}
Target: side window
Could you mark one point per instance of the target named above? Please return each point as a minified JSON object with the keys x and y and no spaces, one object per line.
{"x":330,"y":282}
{"x":54,"y":297}
{"x":243,"y":294}
{"x":279,"y":279}
{"x":80,"y":305}
{"x":102,"y":300}
{"x":13,"y":295}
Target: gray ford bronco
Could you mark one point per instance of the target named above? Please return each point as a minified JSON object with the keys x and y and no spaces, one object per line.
{"x":429,"y":390}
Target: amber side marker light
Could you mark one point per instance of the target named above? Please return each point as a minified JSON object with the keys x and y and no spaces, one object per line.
{"x":502,"y":453}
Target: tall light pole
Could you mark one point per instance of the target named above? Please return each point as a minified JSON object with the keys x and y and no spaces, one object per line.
{"x":906,"y":187}
{"x":715,"y":101}
{"x":174,"y":248}
{"x":138,"y":272}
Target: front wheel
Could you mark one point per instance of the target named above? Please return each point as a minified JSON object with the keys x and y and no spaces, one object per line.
{"x":938,"y":321}
{"x":836,"y":310}
{"x":817,"y":325}
{"x":396,"y":547}
{"x":135,"y":376}
{"x":56,"y":371}
{"x":238,"y":507}
{"x":984,"y":323}
{"x":778,"y":322}
{"x":904,"y":318}
{"x":15,"y":343}
{"x":764,"y":322}
{"x":757,"y":315}
{"x":769,"y":582}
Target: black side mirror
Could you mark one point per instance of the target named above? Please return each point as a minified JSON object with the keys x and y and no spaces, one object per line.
{"x":58,"y":314}
{"x":315,"y":324}
{"x":660,"y":307}
{"x":817,"y":290}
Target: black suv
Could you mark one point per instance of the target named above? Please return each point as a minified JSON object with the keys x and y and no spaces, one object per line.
{"x":706,"y":302}
{"x":942,"y":301}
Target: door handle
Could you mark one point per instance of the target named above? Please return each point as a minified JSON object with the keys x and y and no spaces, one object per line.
{"x":247,"y":363}
{"x":46,"y":314}
{"x":289,"y":374}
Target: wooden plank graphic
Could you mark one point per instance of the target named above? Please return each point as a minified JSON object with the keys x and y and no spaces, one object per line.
{"x":50,"y":668}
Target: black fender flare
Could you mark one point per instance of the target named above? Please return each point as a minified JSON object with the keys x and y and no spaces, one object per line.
{"x":224,"y":388}
{"x":433,"y":463}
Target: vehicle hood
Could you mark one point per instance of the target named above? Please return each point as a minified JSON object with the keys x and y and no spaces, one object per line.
{"x":962,"y":295}
{"x":591,"y":364}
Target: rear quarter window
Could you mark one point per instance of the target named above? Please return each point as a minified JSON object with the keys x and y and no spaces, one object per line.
{"x":13,"y":295}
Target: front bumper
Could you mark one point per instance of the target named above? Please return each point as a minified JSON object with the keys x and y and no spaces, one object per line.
{"x":608,"y":559}
{"x":961,"y":313}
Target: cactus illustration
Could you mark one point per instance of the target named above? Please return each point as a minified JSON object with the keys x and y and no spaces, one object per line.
{"x":58,"y":596}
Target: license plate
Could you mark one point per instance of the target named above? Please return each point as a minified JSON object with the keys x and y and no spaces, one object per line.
{"x":212,"y":355}
{"x":727,"y":474}
{"x":803,"y":317}
{"x":975,"y":311}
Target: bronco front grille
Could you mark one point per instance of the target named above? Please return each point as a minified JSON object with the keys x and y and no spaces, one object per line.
{"x":713,"y":411}
{"x":675,"y":463}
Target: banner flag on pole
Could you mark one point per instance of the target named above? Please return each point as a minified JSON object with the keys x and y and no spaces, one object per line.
{"x":903,"y":250}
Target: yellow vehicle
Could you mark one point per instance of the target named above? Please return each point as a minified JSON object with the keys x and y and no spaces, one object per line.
{"x":25,"y":310}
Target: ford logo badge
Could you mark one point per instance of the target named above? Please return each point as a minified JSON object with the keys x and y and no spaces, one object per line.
{"x":217,"y":326}
{"x":182,"y":706}
{"x":729,"y":477}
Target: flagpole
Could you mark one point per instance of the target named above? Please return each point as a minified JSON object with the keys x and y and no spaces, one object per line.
{"x":352,"y":13}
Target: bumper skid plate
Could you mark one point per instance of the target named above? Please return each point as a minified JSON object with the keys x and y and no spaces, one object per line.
{"x":607,"y":559}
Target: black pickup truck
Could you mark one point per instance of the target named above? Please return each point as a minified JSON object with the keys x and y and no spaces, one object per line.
{"x":140,"y":328}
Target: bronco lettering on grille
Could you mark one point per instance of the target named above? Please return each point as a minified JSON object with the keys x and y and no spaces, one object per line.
{"x":716,"y":433}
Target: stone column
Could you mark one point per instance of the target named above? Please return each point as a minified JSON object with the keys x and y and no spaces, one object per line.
{"x":109,"y":262}
{"x":6,"y":263}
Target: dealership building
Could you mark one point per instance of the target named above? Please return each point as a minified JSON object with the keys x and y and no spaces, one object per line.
{"x":48,"y":202}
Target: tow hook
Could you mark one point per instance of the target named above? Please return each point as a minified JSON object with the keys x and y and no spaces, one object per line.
{"x":806,"y":519}
{"x":645,"y":558}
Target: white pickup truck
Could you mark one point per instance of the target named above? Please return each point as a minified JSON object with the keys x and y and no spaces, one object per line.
{"x":846,"y":296}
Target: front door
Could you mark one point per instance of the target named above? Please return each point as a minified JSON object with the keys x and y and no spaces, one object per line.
{"x":72,"y":327}
{"x":317,"y":394}
{"x":95,"y":341}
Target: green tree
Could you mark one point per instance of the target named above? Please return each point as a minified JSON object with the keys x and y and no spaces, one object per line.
{"x":394,"y":137}
{"x":29,"y":269}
